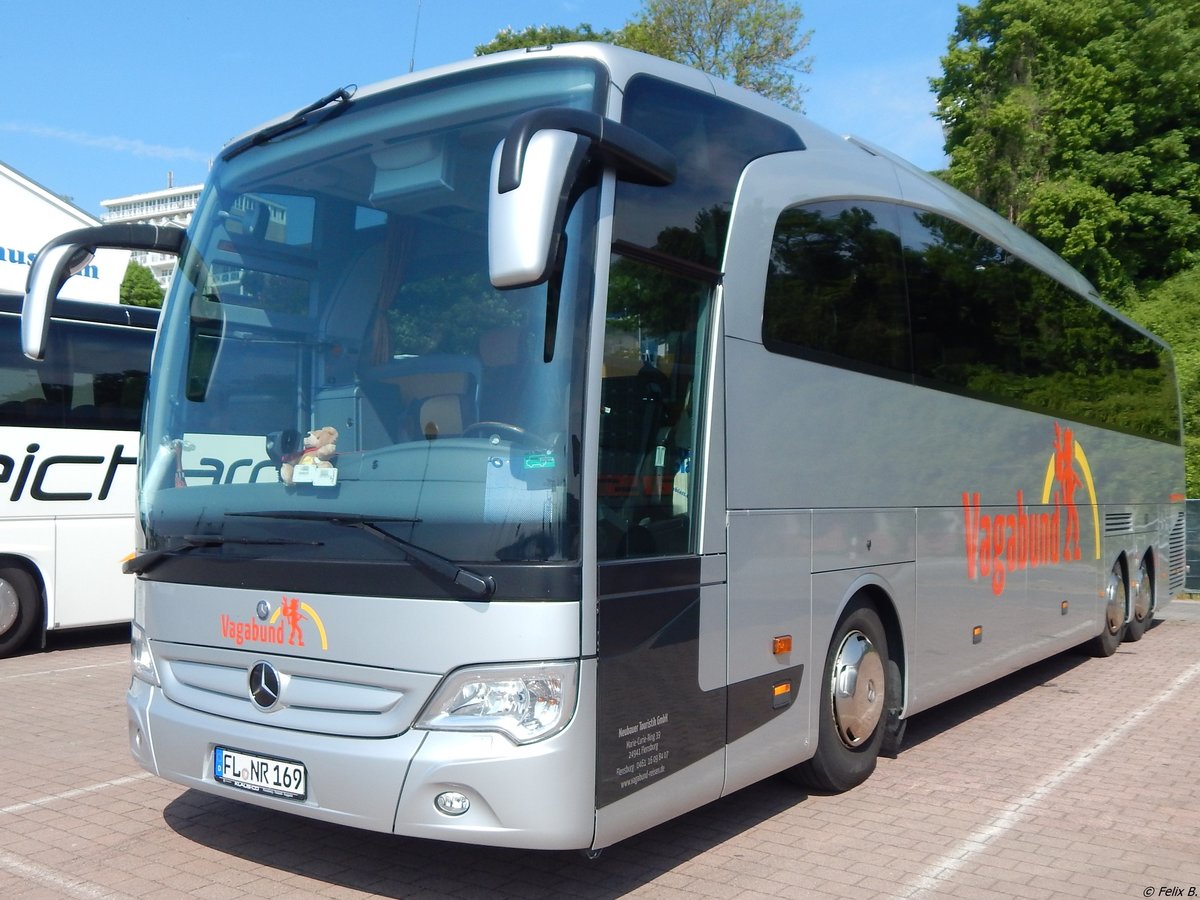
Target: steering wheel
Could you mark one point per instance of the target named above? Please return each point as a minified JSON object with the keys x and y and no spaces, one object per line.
{"x":515,"y":433}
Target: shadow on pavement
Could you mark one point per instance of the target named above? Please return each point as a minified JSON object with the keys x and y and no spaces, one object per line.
{"x":392,"y":866}
{"x":411,"y":868}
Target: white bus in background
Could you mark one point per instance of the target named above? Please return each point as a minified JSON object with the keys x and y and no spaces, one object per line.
{"x":68,"y":457}
{"x":679,"y":442}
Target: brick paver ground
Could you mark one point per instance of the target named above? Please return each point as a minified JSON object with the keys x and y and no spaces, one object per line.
{"x":1074,"y":778}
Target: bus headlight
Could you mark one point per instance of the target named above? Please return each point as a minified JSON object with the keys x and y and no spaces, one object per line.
{"x":524,"y":702}
{"x":140,"y":660}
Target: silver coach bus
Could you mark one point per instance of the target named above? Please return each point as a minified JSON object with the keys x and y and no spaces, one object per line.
{"x":631,"y":439}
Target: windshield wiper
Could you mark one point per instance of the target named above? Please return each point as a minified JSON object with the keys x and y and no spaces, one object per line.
{"x":482,"y":586}
{"x":297,"y":120}
{"x":143,"y":562}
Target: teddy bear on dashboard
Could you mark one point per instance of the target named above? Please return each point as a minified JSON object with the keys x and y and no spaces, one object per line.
{"x":319,"y":447}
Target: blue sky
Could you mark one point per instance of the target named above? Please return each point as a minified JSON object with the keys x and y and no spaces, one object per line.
{"x":102,"y":100}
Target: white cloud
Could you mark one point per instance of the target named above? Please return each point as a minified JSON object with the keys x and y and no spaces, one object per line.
{"x":128,"y":146}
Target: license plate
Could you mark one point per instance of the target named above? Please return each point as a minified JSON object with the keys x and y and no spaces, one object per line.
{"x":261,"y":774}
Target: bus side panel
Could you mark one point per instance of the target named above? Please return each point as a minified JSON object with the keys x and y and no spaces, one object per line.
{"x":69,"y":497}
{"x":661,"y":801}
{"x":770,"y":599}
{"x":1080,"y":586}
{"x":32,"y":542}
{"x":1018,"y":612}
{"x":661,"y":707}
{"x":1170,"y":573}
{"x":832,"y":594}
{"x":92,"y":590}
{"x":654,"y":717}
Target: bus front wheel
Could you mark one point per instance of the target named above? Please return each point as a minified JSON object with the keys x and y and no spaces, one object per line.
{"x":853,"y":705}
{"x":20,"y":605}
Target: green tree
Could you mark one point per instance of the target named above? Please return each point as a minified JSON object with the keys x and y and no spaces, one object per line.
{"x":1172,"y":310}
{"x":138,"y":287}
{"x":754,"y":43}
{"x":1080,"y":121}
{"x":542,"y":36}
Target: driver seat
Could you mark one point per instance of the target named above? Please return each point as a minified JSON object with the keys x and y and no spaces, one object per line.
{"x":502,"y":387}
{"x":440,"y":416}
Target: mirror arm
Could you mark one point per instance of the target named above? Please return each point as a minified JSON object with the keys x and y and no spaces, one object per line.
{"x":127,"y":236}
{"x":637,"y":158}
{"x":66,"y":255}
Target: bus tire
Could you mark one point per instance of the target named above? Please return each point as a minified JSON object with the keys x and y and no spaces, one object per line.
{"x":1142,"y":602}
{"x":20,"y":608}
{"x":1116,"y":602}
{"x":853,"y":708}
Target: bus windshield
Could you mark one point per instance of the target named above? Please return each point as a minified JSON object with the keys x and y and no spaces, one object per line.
{"x":334,"y":353}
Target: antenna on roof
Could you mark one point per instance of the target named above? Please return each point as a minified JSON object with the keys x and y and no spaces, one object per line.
{"x":412,"y":60}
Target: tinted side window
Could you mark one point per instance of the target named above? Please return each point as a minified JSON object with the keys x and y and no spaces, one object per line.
{"x":1090,"y":365}
{"x":835,"y":287}
{"x":650,"y":408}
{"x":902,"y":293}
{"x":988,"y":324}
{"x":966,"y":326}
{"x":712,"y":141}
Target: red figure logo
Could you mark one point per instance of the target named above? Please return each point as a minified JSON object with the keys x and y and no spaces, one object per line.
{"x":290,"y":610}
{"x":1068,"y":483}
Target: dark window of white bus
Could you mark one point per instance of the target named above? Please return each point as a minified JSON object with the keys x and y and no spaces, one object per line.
{"x":94,"y":375}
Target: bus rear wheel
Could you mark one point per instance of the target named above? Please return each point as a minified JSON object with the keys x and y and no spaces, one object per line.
{"x":853,"y":712}
{"x":1116,"y":601}
{"x":20,"y":607}
{"x":1143,"y":603}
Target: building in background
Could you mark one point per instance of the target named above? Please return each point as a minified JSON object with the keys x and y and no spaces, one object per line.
{"x":169,"y":206}
{"x":30,"y":215}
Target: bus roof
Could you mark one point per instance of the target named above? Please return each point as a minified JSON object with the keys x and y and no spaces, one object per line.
{"x":82,"y":311}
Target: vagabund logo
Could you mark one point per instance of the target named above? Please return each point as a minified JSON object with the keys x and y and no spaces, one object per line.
{"x":282,"y":627}
{"x":1005,"y":542}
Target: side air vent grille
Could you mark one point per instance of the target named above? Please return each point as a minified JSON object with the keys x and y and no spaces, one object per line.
{"x":1178,"y":556}
{"x":1118,"y":522}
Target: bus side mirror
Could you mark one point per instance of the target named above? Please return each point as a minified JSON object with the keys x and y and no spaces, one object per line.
{"x":66,"y":255}
{"x":534,"y":174}
{"x":48,"y":273}
{"x":525,"y":220}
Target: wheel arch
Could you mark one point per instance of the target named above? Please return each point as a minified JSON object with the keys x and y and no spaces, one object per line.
{"x":1115,"y":612}
{"x":1122,"y":560}
{"x":868,"y":610}
{"x":35,"y":572}
{"x":1142,"y":593}
{"x":876,"y":591}
{"x":30,"y":568}
{"x":1150,"y":557}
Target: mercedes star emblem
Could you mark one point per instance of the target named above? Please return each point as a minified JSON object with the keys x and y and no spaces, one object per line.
{"x":264,"y":686}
